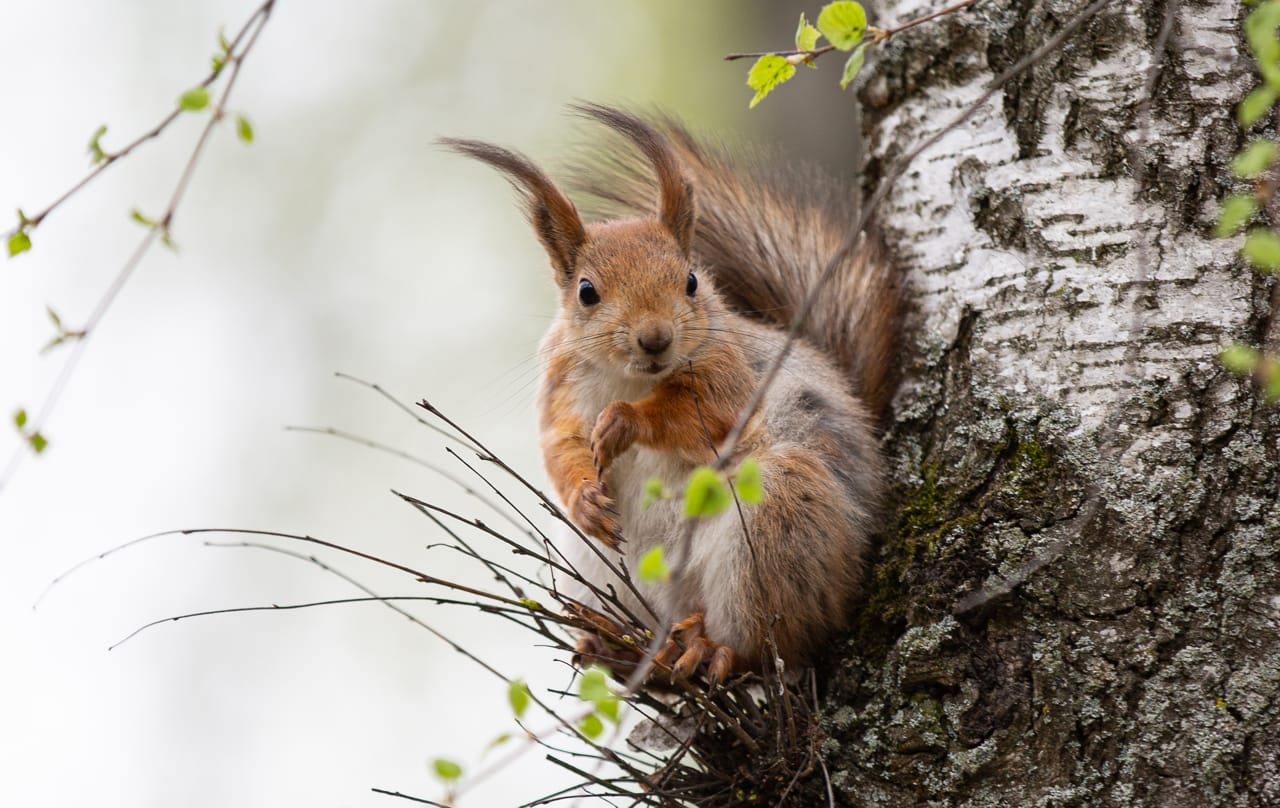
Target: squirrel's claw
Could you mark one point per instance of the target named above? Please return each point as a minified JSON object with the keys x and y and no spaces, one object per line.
{"x":614,"y":432}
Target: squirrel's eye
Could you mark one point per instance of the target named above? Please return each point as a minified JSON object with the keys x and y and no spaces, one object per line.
{"x":692,"y":285}
{"x":587,"y":293}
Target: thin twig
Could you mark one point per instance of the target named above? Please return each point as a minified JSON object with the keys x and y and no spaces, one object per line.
{"x":234,"y":61}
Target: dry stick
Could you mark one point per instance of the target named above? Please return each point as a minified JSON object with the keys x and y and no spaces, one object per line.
{"x":878,"y":35}
{"x":377,"y":388}
{"x":620,"y":571}
{"x":367,"y":590}
{"x":312,"y":604}
{"x":834,"y":265}
{"x":249,"y":34}
{"x":412,"y":458}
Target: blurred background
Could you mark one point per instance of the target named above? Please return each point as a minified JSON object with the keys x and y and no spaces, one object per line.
{"x":341,"y":240}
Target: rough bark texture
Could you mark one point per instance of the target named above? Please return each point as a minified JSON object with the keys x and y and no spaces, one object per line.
{"x":1080,"y":604}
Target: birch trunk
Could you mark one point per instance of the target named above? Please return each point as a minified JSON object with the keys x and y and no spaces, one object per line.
{"x":1081,"y":603}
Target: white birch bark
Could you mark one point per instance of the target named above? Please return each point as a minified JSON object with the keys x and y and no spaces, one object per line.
{"x":1081,"y":604}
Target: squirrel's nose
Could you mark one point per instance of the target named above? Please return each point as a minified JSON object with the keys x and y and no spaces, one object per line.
{"x":654,"y":339}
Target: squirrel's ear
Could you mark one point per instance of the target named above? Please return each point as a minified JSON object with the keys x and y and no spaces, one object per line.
{"x":552,"y":215}
{"x":675,"y":193}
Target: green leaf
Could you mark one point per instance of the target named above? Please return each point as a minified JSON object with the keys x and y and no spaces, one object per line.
{"x":217,"y":62}
{"x":747,"y":482}
{"x":53,"y":315}
{"x":244,"y":129}
{"x":654,"y":490}
{"x":500,"y":740}
{"x":446,"y":770}
{"x":531,"y":604}
{"x":594,"y":686}
{"x":1255,"y":105}
{"x":591,"y":726}
{"x":54,"y":343}
{"x":518,"y":697}
{"x":768,"y":72}
{"x":20,"y":418}
{"x":1239,"y":358}
{"x":141,"y":218}
{"x":653,"y":567}
{"x":194,"y":100}
{"x":1254,"y":159}
{"x":1270,"y":380}
{"x":705,"y":494}
{"x":806,"y":35}
{"x":1260,"y":31}
{"x":1262,"y":249}
{"x":38,"y":442}
{"x":609,"y":709}
{"x":842,"y":24}
{"x":19,"y":242}
{"x":854,"y":64}
{"x":96,"y":154}
{"x":222,"y":39}
{"x":1237,"y":209}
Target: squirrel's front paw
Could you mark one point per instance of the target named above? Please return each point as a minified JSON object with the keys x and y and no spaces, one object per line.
{"x":593,"y":511}
{"x":614,"y":433}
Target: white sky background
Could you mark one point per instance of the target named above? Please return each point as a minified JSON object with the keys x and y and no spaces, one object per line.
{"x":340,"y":240}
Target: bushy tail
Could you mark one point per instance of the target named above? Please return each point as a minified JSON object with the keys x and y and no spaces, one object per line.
{"x":766,"y":234}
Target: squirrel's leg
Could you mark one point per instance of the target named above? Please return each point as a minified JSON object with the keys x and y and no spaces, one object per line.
{"x":603,"y":642}
{"x":567,"y":456}
{"x":680,"y":415}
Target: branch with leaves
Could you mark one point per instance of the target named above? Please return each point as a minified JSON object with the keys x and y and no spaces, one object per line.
{"x":1255,"y":167}
{"x":844,"y":25}
{"x":226,"y":63}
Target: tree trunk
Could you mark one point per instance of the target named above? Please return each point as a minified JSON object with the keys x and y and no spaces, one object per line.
{"x":1081,"y":603}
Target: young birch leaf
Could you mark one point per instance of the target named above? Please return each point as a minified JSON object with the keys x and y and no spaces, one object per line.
{"x":194,"y":100}
{"x":1239,"y":358}
{"x":705,"y":494}
{"x":768,"y":72}
{"x":654,"y":490}
{"x":842,"y":24}
{"x":1254,"y":159}
{"x":1270,"y":380}
{"x":518,"y":697}
{"x":594,"y":686}
{"x":807,"y":37}
{"x":1262,"y":248}
{"x":141,"y":218}
{"x":1255,"y":106}
{"x":854,"y":65}
{"x":20,"y":418}
{"x":1237,"y":209}
{"x":653,"y":567}
{"x":244,"y":129}
{"x":746,"y":481}
{"x":19,"y":242}
{"x":96,"y":154}
{"x":446,"y":770}
{"x":591,"y":726}
{"x":38,"y":442}
{"x":531,"y":604}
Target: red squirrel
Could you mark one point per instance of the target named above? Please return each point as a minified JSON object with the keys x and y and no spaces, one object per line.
{"x":670,"y":314}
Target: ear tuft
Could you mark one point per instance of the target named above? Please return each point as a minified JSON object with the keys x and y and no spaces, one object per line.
{"x":675,"y":201}
{"x":553,"y":216}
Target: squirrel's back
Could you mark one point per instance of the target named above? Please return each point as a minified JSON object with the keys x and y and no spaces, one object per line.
{"x":766,"y":234}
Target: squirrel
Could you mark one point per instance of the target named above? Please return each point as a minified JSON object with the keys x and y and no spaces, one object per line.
{"x":670,"y":313}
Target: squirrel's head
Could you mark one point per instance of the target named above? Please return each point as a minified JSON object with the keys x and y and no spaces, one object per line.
{"x":631,"y":294}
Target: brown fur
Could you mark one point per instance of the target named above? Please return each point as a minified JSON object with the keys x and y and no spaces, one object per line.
{"x":647,"y":380}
